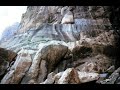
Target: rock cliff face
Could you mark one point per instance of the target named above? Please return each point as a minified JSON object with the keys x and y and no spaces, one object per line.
{"x":62,"y":45}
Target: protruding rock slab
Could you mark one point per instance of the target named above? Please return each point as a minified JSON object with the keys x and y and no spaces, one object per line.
{"x":70,"y":76}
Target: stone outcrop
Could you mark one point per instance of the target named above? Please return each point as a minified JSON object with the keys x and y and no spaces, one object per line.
{"x":70,"y":76}
{"x":45,"y":61}
{"x":18,"y":70}
{"x":6,"y":57}
{"x":63,"y":45}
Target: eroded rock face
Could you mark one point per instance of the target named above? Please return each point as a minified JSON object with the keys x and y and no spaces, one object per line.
{"x":39,"y":24}
{"x":70,"y":76}
{"x":55,"y":49}
{"x":45,"y":61}
{"x":3,"y":66}
{"x":53,"y":54}
{"x":99,"y":64}
{"x":18,"y":70}
{"x":6,"y":56}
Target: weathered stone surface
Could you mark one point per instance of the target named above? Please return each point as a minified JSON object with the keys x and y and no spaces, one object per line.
{"x":99,"y":63}
{"x":113,"y":78}
{"x":70,"y":76}
{"x":18,"y":70}
{"x":53,"y":54}
{"x":32,"y":73}
{"x":68,"y":18}
{"x":37,"y":25}
{"x":43,"y":71}
{"x":87,"y":77}
{"x":81,"y":51}
{"x":87,"y":34}
{"x":6,"y":56}
{"x":45,"y":61}
{"x":11,"y":55}
{"x":3,"y":66}
{"x":50,"y":79}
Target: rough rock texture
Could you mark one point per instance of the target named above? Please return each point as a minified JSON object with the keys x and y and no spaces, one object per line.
{"x":99,"y":64}
{"x":112,"y":79}
{"x":45,"y":61}
{"x":53,"y":54}
{"x":6,"y":57}
{"x":18,"y":70}
{"x":58,"y":38}
{"x":70,"y":76}
{"x":38,"y":24}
